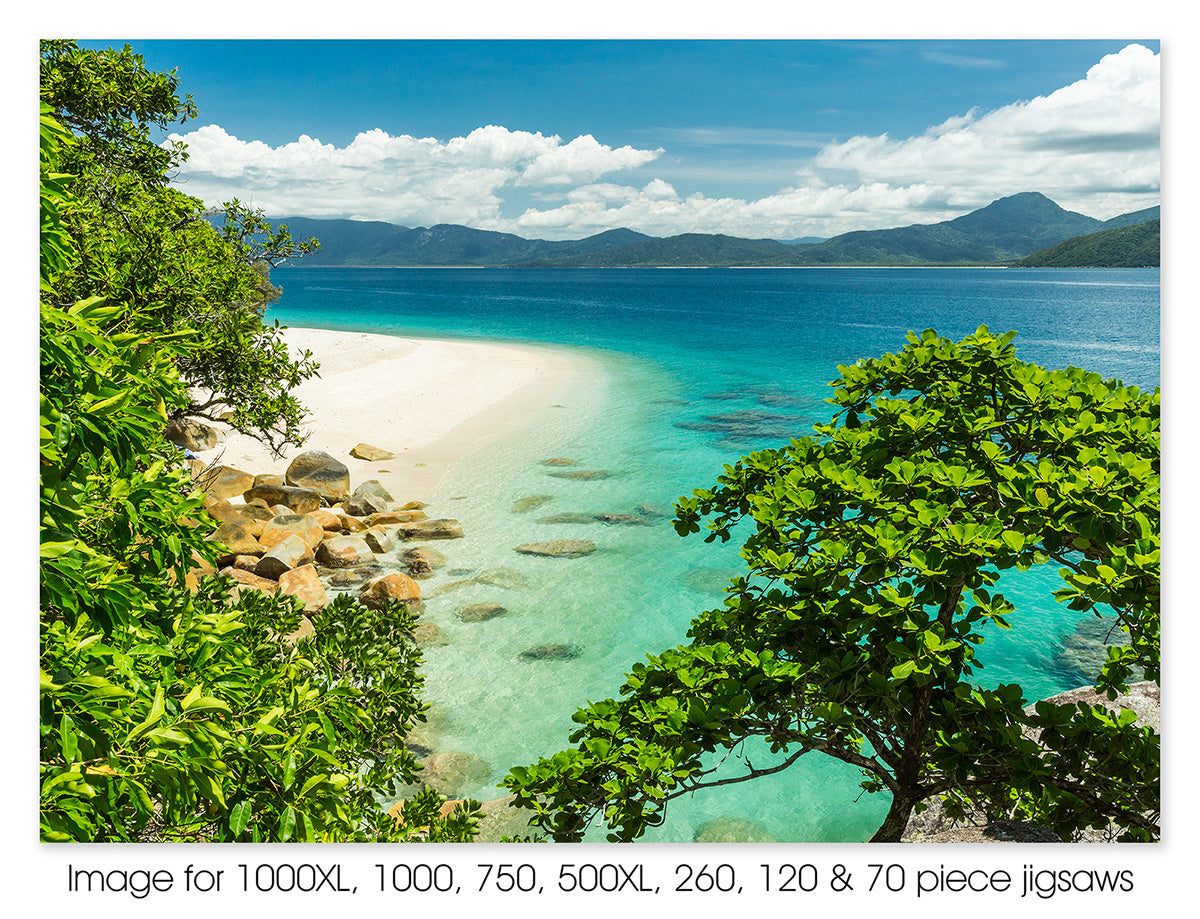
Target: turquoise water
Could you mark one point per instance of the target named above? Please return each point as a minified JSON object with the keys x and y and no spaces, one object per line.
{"x":700,"y":366}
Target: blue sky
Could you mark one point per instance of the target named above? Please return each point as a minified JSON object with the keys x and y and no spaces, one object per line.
{"x":561,"y":139}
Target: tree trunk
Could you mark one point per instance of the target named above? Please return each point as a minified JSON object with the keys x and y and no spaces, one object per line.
{"x":896,"y":820}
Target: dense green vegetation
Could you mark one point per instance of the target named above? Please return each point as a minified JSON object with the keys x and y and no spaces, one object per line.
{"x":1134,"y":246}
{"x":168,"y":712}
{"x":873,"y":552}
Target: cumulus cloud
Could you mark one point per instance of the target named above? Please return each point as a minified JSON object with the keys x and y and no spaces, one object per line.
{"x":403,"y":179}
{"x":1091,"y":146}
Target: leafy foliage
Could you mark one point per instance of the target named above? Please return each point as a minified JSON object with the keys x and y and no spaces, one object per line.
{"x":139,"y":240}
{"x":169,"y":712}
{"x":873,"y":559}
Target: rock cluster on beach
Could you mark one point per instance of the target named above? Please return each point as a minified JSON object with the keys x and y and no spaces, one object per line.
{"x":307,"y":533}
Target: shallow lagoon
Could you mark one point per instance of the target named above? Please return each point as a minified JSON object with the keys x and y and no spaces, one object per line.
{"x":702,"y":366}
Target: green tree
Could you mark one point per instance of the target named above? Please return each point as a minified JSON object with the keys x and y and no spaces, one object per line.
{"x":138,"y":239}
{"x":873,"y":553}
{"x":166,"y":712}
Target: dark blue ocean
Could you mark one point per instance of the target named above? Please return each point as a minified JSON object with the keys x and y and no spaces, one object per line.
{"x":694,"y":367}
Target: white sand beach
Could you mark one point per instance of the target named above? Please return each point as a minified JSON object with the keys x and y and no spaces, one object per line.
{"x":428,"y":401}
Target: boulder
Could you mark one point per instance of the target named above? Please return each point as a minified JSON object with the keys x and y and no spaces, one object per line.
{"x":559,"y":548}
{"x":237,"y":539}
{"x":303,"y":582}
{"x":373,"y":487}
{"x":200,"y":568}
{"x":247,"y":563}
{"x":431,"y":529}
{"x":256,"y":512}
{"x":344,"y":577}
{"x":290,"y":552}
{"x":296,"y":500}
{"x":480,"y":612}
{"x":191,"y":435}
{"x":422,"y":561}
{"x":378,"y":539}
{"x":280,"y":528}
{"x":329,"y":521}
{"x":269,"y":478}
{"x":364,"y":505}
{"x":223,"y":512}
{"x":400,"y":516}
{"x":250,"y":579}
{"x":370,"y":454}
{"x":224,"y":481}
{"x":304,"y":630}
{"x":317,"y":470}
{"x":343,"y":552}
{"x":351,"y":524}
{"x":394,"y":586}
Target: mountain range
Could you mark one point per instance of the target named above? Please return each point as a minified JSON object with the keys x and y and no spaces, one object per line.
{"x":1002,"y":233}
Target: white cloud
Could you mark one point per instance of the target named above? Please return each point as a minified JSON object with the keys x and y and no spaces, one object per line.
{"x":1091,"y":146}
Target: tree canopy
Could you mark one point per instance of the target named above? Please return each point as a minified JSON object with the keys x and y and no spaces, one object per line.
{"x":171,"y":710}
{"x":873,"y":554}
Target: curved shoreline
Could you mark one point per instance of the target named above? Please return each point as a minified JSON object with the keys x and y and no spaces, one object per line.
{"x":428,"y":401}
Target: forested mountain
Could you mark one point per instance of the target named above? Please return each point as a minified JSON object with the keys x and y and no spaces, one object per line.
{"x":1000,"y":233}
{"x":1134,"y":246}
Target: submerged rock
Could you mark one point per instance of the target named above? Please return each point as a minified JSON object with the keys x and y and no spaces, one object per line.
{"x":449,"y":771}
{"x":523,"y":505}
{"x":559,"y":548}
{"x":571,"y":518}
{"x":732,"y":829}
{"x":583,"y":474}
{"x":551,"y":652}
{"x":560,"y":461}
{"x":481,"y":612}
